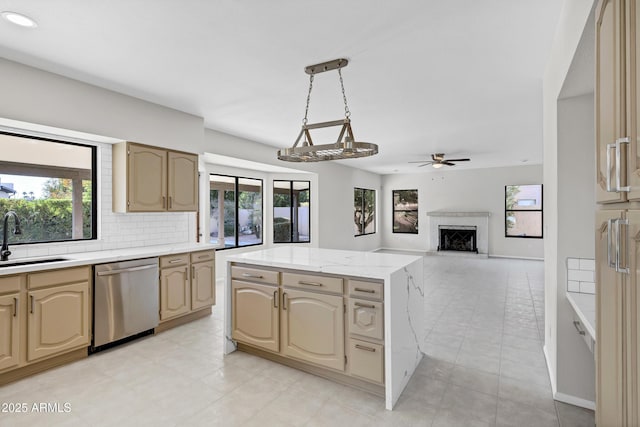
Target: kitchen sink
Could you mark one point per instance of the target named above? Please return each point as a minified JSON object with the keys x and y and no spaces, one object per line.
{"x":30,"y":261}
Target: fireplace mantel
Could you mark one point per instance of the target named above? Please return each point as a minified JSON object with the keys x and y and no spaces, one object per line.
{"x":458,"y":214}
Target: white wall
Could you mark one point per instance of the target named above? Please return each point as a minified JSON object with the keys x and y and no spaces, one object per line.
{"x":464,"y":190}
{"x":576,"y":196}
{"x":574,"y":16}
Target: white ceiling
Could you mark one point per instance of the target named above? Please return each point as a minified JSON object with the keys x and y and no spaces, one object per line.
{"x":463,"y":77}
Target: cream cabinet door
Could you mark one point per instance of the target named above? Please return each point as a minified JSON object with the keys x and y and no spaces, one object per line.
{"x":255,"y":315}
{"x":632,"y":315}
{"x":203,"y":285}
{"x":313,"y":328}
{"x":175,"y":292}
{"x":609,"y":331}
{"x":183,"y":181}
{"x":146,"y":179}
{"x":58,"y":320}
{"x":9,"y":330}
{"x":633,"y":100}
{"x":609,"y":104}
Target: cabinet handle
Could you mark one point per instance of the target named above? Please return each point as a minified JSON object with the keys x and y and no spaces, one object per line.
{"x":609,"y":147}
{"x":253,"y":276}
{"x":577,"y":326}
{"x":170,"y":202}
{"x":175,"y":261}
{"x":364,"y":347}
{"x":284,"y":300}
{"x":203,"y":256}
{"x":618,"y":143}
{"x":610,"y":233}
{"x":275,"y":299}
{"x":302,"y":282}
{"x":369,"y":291}
{"x":620,"y":222}
{"x":31,"y":298}
{"x":164,"y":202}
{"x":193,"y":271}
{"x":15,"y":307}
{"x":359,"y":304}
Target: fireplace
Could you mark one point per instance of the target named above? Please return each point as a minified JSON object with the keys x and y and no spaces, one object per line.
{"x":458,"y":238}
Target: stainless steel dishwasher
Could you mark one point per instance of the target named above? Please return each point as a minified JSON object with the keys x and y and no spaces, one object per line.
{"x":126,"y":301}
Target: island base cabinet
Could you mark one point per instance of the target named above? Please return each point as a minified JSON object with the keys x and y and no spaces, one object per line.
{"x":9,"y":331}
{"x":366,"y":360}
{"x":313,"y":328}
{"x":255,"y":315}
{"x":58,"y":320}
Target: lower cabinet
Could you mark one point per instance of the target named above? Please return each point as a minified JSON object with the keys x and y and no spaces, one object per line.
{"x":58,"y":319}
{"x":366,"y":360}
{"x":175,"y":292}
{"x":255,"y":315}
{"x":203,"y":285}
{"x":9,"y":330}
{"x":313,"y":328}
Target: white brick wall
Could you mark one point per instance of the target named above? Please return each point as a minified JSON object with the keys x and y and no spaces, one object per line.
{"x":581,"y":275}
{"x":117,"y":230}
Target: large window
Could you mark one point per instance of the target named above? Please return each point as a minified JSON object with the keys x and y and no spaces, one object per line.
{"x":523,"y":211}
{"x":291,"y":202}
{"x":405,"y":211}
{"x":236,"y":211}
{"x":51,"y":186}
{"x":364,"y":211}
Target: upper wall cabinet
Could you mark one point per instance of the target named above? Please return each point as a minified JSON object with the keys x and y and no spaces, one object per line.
{"x":151,"y":179}
{"x":617,"y":155}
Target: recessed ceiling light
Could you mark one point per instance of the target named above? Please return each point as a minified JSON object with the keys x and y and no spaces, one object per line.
{"x":19,"y":19}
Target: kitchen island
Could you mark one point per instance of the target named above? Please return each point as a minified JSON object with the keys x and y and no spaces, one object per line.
{"x":354,"y":317}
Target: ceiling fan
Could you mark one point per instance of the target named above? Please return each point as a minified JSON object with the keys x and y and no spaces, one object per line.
{"x":438,"y":161}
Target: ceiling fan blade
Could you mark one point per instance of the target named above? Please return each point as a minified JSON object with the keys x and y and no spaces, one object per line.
{"x":421,"y":161}
{"x":448,"y":163}
{"x":425,"y":164}
{"x":458,"y":160}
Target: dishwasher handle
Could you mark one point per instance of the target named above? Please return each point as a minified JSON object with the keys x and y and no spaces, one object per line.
{"x":126,"y":270}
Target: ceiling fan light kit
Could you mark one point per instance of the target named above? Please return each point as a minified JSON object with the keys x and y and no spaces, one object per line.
{"x":346,"y":147}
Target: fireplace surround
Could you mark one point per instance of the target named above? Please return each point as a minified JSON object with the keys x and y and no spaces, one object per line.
{"x":479,"y":220}
{"x":457,"y":238}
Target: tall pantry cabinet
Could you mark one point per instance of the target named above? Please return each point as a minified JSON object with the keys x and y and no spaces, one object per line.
{"x":617,"y":234}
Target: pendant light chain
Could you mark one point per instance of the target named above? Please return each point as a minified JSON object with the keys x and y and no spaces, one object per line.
{"x":306,"y":110}
{"x":347,"y":113}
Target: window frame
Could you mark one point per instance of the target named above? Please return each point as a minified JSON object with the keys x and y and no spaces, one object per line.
{"x":236,"y":210}
{"x":290,"y":181}
{"x":541,"y":210}
{"x":94,"y":186}
{"x":375,"y":206}
{"x":393,"y":213}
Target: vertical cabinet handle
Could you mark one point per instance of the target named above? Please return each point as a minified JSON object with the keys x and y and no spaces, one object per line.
{"x":609,"y":148}
{"x":164,"y":201}
{"x":193,"y":271}
{"x":275,"y":299}
{"x":15,"y":307}
{"x":284,"y":300}
{"x":610,"y":261}
{"x":31,"y":299}
{"x":170,"y":202}
{"x":618,"y":144}
{"x":620,"y":241}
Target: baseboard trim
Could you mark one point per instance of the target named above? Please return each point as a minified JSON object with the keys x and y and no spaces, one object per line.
{"x":552,"y":378}
{"x":576,"y":401}
{"x":517,"y":257}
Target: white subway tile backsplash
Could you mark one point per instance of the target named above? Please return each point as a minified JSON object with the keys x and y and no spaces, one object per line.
{"x":587,"y":287}
{"x":573,"y":263}
{"x":573,"y":286}
{"x":587,"y":264}
{"x":580,"y":275}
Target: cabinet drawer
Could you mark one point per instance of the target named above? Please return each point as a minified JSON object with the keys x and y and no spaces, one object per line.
{"x":366,"y":318}
{"x":10,"y":284}
{"x":58,"y":277}
{"x":312,"y":282}
{"x":202,"y":256}
{"x":254,"y":275}
{"x":371,"y":290}
{"x":174,"y":260}
{"x":366,"y":360}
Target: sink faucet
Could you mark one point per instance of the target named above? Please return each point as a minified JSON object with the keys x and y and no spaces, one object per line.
{"x":5,"y":252}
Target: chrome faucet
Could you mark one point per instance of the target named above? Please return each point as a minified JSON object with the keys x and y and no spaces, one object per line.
{"x":5,"y":252}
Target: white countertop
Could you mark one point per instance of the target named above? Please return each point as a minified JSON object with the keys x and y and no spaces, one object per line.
{"x":585,"y":307}
{"x":352,"y":263}
{"x":100,"y":257}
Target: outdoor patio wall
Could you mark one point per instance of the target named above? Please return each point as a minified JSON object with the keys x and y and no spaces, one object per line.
{"x":471,"y":190}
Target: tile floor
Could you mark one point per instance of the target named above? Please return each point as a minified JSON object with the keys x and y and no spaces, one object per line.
{"x":484,"y":366}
